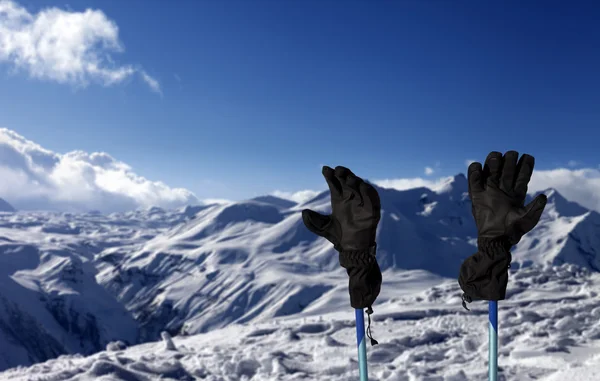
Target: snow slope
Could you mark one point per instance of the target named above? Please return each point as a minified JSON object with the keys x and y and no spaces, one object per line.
{"x":549,"y":331}
{"x":50,"y":300}
{"x":76,"y":282}
{"x":567,"y":233}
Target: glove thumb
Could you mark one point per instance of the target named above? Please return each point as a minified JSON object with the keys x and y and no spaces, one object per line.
{"x":532,"y":212}
{"x":320,"y":224}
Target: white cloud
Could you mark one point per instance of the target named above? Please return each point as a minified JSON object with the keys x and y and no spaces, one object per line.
{"x":35,"y":178}
{"x":298,"y":197}
{"x":221,"y":201}
{"x":417,"y":182}
{"x":64,"y":46}
{"x":429,"y":171}
{"x":579,"y":185}
{"x":151,"y":82}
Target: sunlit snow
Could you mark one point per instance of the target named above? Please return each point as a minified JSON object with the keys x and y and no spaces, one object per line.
{"x":243,"y":291}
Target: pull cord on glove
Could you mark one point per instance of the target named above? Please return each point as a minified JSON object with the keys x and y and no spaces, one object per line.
{"x":373,"y":341}
{"x":498,"y":192}
{"x":351,"y":228}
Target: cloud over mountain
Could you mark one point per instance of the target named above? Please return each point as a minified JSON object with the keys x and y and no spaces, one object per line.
{"x":36,"y":178}
{"x":298,"y":197}
{"x":416,"y":182}
{"x":579,"y":185}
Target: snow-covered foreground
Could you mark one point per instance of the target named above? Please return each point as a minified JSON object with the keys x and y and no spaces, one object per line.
{"x":549,"y":330}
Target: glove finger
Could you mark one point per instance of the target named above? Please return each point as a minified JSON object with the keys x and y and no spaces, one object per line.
{"x":524,"y":172}
{"x":319,"y":224}
{"x":353,"y":182}
{"x":475,"y":175}
{"x":492,"y":169}
{"x":509,"y":172}
{"x":532,"y":213}
{"x":370,"y":197}
{"x":345,"y":176}
{"x":334,"y":184}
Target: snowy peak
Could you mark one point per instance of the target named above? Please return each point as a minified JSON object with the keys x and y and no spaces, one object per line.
{"x":567,"y":233}
{"x":6,"y":207}
{"x":191,"y":210}
{"x":249,"y":211}
{"x":559,"y":206}
{"x":222,"y":221}
{"x":319,"y":203}
{"x":275,"y":201}
{"x":456,"y":185}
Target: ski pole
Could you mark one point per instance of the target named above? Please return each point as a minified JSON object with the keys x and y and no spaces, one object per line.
{"x":493,"y":341}
{"x":362,"y":344}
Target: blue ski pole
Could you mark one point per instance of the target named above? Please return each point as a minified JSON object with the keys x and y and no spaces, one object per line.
{"x":493,"y":341}
{"x":362,"y":344}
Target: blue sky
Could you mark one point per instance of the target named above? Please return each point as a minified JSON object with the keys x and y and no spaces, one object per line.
{"x":257,"y":95}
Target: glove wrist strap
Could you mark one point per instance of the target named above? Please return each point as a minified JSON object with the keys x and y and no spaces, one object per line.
{"x":364,"y":257}
{"x":493,"y":245}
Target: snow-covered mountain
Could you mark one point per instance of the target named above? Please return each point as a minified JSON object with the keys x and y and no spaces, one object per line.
{"x":72,"y":283}
{"x":50,"y":300}
{"x":5,"y":206}
{"x":567,"y":233}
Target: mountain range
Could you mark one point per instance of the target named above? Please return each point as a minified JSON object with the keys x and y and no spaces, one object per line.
{"x":74,"y":283}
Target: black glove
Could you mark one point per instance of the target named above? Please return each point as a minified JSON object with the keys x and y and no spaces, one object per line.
{"x":351,"y":227}
{"x":498,"y":192}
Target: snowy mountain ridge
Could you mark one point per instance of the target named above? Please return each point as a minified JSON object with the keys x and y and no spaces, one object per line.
{"x":76,"y":282}
{"x":6,"y":207}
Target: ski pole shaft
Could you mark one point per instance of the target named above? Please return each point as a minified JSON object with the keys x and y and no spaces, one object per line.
{"x":493,"y":341}
{"x":361,"y":344}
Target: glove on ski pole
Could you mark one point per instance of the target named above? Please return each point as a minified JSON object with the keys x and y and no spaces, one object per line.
{"x":352,"y":228}
{"x":497,"y":193}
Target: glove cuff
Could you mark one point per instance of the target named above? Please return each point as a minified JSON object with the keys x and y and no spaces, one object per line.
{"x":358,"y":258}
{"x":484,"y":275}
{"x":493,"y":245}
